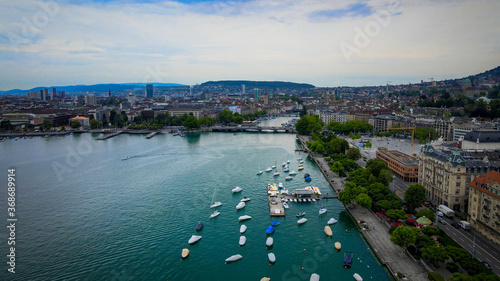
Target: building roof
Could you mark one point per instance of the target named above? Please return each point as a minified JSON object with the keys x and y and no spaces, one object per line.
{"x":483,"y":182}
{"x":481,"y":136}
{"x":400,"y":157}
{"x":78,"y":118}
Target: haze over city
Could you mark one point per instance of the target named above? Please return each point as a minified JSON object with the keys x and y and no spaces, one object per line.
{"x":325,"y":43}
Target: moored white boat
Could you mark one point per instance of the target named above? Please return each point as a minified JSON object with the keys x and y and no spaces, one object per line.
{"x":214,"y":214}
{"x":328,"y":231}
{"x":271,"y":257}
{"x":332,"y":221}
{"x":273,"y":166}
{"x":338,"y":246}
{"x":284,"y":164}
{"x":286,"y":205}
{"x":269,"y":169}
{"x":280,"y":185}
{"x":194,"y":239}
{"x":125,"y":158}
{"x":286,"y":170}
{"x":295,"y":200}
{"x":292,"y":173}
{"x":301,"y":221}
{"x":276,"y":173}
{"x":259,"y":173}
{"x":240,"y":206}
{"x":288,"y":178}
{"x":314,"y":200}
{"x":185,"y":253}
{"x":243,"y":228}
{"x":245,"y":199}
{"x":269,"y":242}
{"x":236,"y":189}
{"x":242,"y":241}
{"x":314,"y":277}
{"x":357,"y":277}
{"x":244,"y":218}
{"x":322,"y":211}
{"x":234,"y":258}
{"x":216,"y":204}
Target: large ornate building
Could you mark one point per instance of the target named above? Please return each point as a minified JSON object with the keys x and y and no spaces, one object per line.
{"x":484,"y":205}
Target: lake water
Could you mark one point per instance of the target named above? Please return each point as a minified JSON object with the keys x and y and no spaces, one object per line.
{"x":83,"y":214}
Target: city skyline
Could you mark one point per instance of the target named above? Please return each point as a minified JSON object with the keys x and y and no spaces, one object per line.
{"x":346,"y":43}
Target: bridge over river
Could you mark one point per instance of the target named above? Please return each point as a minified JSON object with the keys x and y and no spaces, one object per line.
{"x":256,"y":129}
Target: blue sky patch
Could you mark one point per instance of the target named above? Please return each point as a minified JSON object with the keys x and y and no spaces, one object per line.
{"x":351,"y":11}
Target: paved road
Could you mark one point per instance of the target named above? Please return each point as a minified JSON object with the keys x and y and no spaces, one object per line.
{"x":484,"y":249}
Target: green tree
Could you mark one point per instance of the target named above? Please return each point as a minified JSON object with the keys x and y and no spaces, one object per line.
{"x":206,"y":121}
{"x":238,"y":119}
{"x":367,"y":144}
{"x":427,"y":213}
{"x":364,"y":201}
{"x":94,"y":124}
{"x":125,"y":117}
{"x":112,"y":116}
{"x":5,"y":125}
{"x":46,"y":125}
{"x":353,"y":153}
{"x":337,"y":167}
{"x":118,"y":121}
{"x":75,"y":124}
{"x":303,"y":111}
{"x":308,"y":124}
{"x":226,"y":116}
{"x":395,"y":214}
{"x":434,"y":254}
{"x":414,"y":197}
{"x":404,"y":236}
{"x":191,"y":122}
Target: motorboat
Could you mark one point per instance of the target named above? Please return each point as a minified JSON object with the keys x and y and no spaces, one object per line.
{"x":242,"y":241}
{"x":357,"y":277}
{"x":308,"y":179}
{"x":234,"y":258}
{"x":299,"y":215}
{"x":314,"y":200}
{"x":286,"y":170}
{"x":199,"y":226}
{"x":301,"y":221}
{"x":245,"y":199}
{"x":282,"y":199}
{"x":270,"y":230}
{"x":286,"y":205}
{"x":214,"y":214}
{"x":292,"y":173}
{"x":273,"y":166}
{"x":338,"y":246}
{"x":309,"y":200}
{"x":244,"y":218}
{"x":275,"y":223}
{"x":216,"y":204}
{"x":328,"y":231}
{"x":243,"y":228}
{"x":284,"y":191}
{"x":269,"y":169}
{"x":322,"y":211}
{"x":185,"y":253}
{"x":301,"y":162}
{"x":276,"y":173}
{"x":271,"y":257}
{"x":288,"y":161}
{"x":298,"y":158}
{"x":284,"y":164}
{"x":125,"y":158}
{"x":314,"y":277}
{"x":306,"y":175}
{"x":347,"y":259}
{"x":240,"y":206}
{"x":288,"y":178}
{"x":236,"y":189}
{"x":194,"y":239}
{"x":259,"y":173}
{"x":280,"y":185}
{"x":300,"y":168}
{"x":269,"y":242}
{"x":295,"y":200}
{"x":332,"y":221}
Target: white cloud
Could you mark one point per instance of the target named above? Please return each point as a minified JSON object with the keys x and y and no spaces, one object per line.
{"x":265,"y":40}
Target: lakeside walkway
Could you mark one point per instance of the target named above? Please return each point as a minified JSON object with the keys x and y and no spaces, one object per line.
{"x":377,"y":236}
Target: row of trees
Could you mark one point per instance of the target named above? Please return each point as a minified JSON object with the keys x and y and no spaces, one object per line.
{"x":354,"y":126}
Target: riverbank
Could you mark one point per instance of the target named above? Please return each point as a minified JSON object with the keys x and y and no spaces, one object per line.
{"x":376,"y":233}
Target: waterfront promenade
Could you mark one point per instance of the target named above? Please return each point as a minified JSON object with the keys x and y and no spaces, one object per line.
{"x":378,"y":236}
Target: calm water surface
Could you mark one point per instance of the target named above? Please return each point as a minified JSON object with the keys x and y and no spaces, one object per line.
{"x":83,"y":214}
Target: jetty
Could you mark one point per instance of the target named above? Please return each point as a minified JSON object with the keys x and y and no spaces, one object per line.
{"x":152,"y":134}
{"x":107,"y":136}
{"x":276,"y":208}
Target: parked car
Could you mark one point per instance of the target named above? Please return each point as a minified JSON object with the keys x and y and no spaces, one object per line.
{"x":426,"y":204}
{"x":454,"y":224}
{"x":440,"y":213}
{"x":442,"y":221}
{"x":487,"y":265}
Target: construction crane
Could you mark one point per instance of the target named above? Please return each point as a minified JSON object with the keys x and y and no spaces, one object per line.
{"x":403,"y":128}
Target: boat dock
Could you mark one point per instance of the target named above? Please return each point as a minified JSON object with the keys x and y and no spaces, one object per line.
{"x":276,"y":208}
{"x":107,"y":136}
{"x":152,"y":134}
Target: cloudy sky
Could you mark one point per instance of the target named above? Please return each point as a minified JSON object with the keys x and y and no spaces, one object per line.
{"x":322,"y":42}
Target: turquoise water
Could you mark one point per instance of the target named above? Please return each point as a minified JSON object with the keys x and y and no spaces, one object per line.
{"x":83,"y":214}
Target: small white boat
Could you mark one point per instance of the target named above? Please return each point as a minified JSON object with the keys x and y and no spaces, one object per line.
{"x":288,"y":161}
{"x":300,"y":168}
{"x":240,"y":206}
{"x":338,"y":246}
{"x":276,"y":173}
{"x":322,"y":211}
{"x":314,"y":200}
{"x":185,"y":253}
{"x":245,"y":199}
{"x":273,"y":166}
{"x":236,"y":189}
{"x":269,"y":169}
{"x":292,"y":173}
{"x":271,"y":257}
{"x":269,"y":242}
{"x":309,"y":200}
{"x":244,"y":218}
{"x":332,"y":221}
{"x":282,"y":199}
{"x":259,"y":173}
{"x":243,"y":240}
{"x":284,"y":191}
{"x":288,"y":178}
{"x":295,"y":200}
{"x":286,"y":170}
{"x":357,"y":277}
{"x":280,"y":185}
{"x":194,"y":239}
{"x":298,"y":158}
{"x":301,"y":162}
{"x":214,"y":214}
{"x":328,"y":231}
{"x":314,"y":277}
{"x":243,"y":228}
{"x":265,"y":279}
{"x":285,"y":205}
{"x":125,"y":158}
{"x":234,"y":258}
{"x":301,"y":221}
{"x":284,"y":164}
{"x":216,"y":204}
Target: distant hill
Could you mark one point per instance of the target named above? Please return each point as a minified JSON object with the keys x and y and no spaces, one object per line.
{"x":93,"y":88}
{"x":259,"y":84}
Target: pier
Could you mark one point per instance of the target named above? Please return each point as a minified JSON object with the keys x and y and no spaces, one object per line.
{"x":107,"y":136}
{"x":152,"y":134}
{"x":255,"y":129}
{"x":276,"y":208}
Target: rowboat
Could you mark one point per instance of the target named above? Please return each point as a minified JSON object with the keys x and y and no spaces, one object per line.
{"x":301,"y":221}
{"x":328,"y":231}
{"x":270,"y":230}
{"x":185,"y":253}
